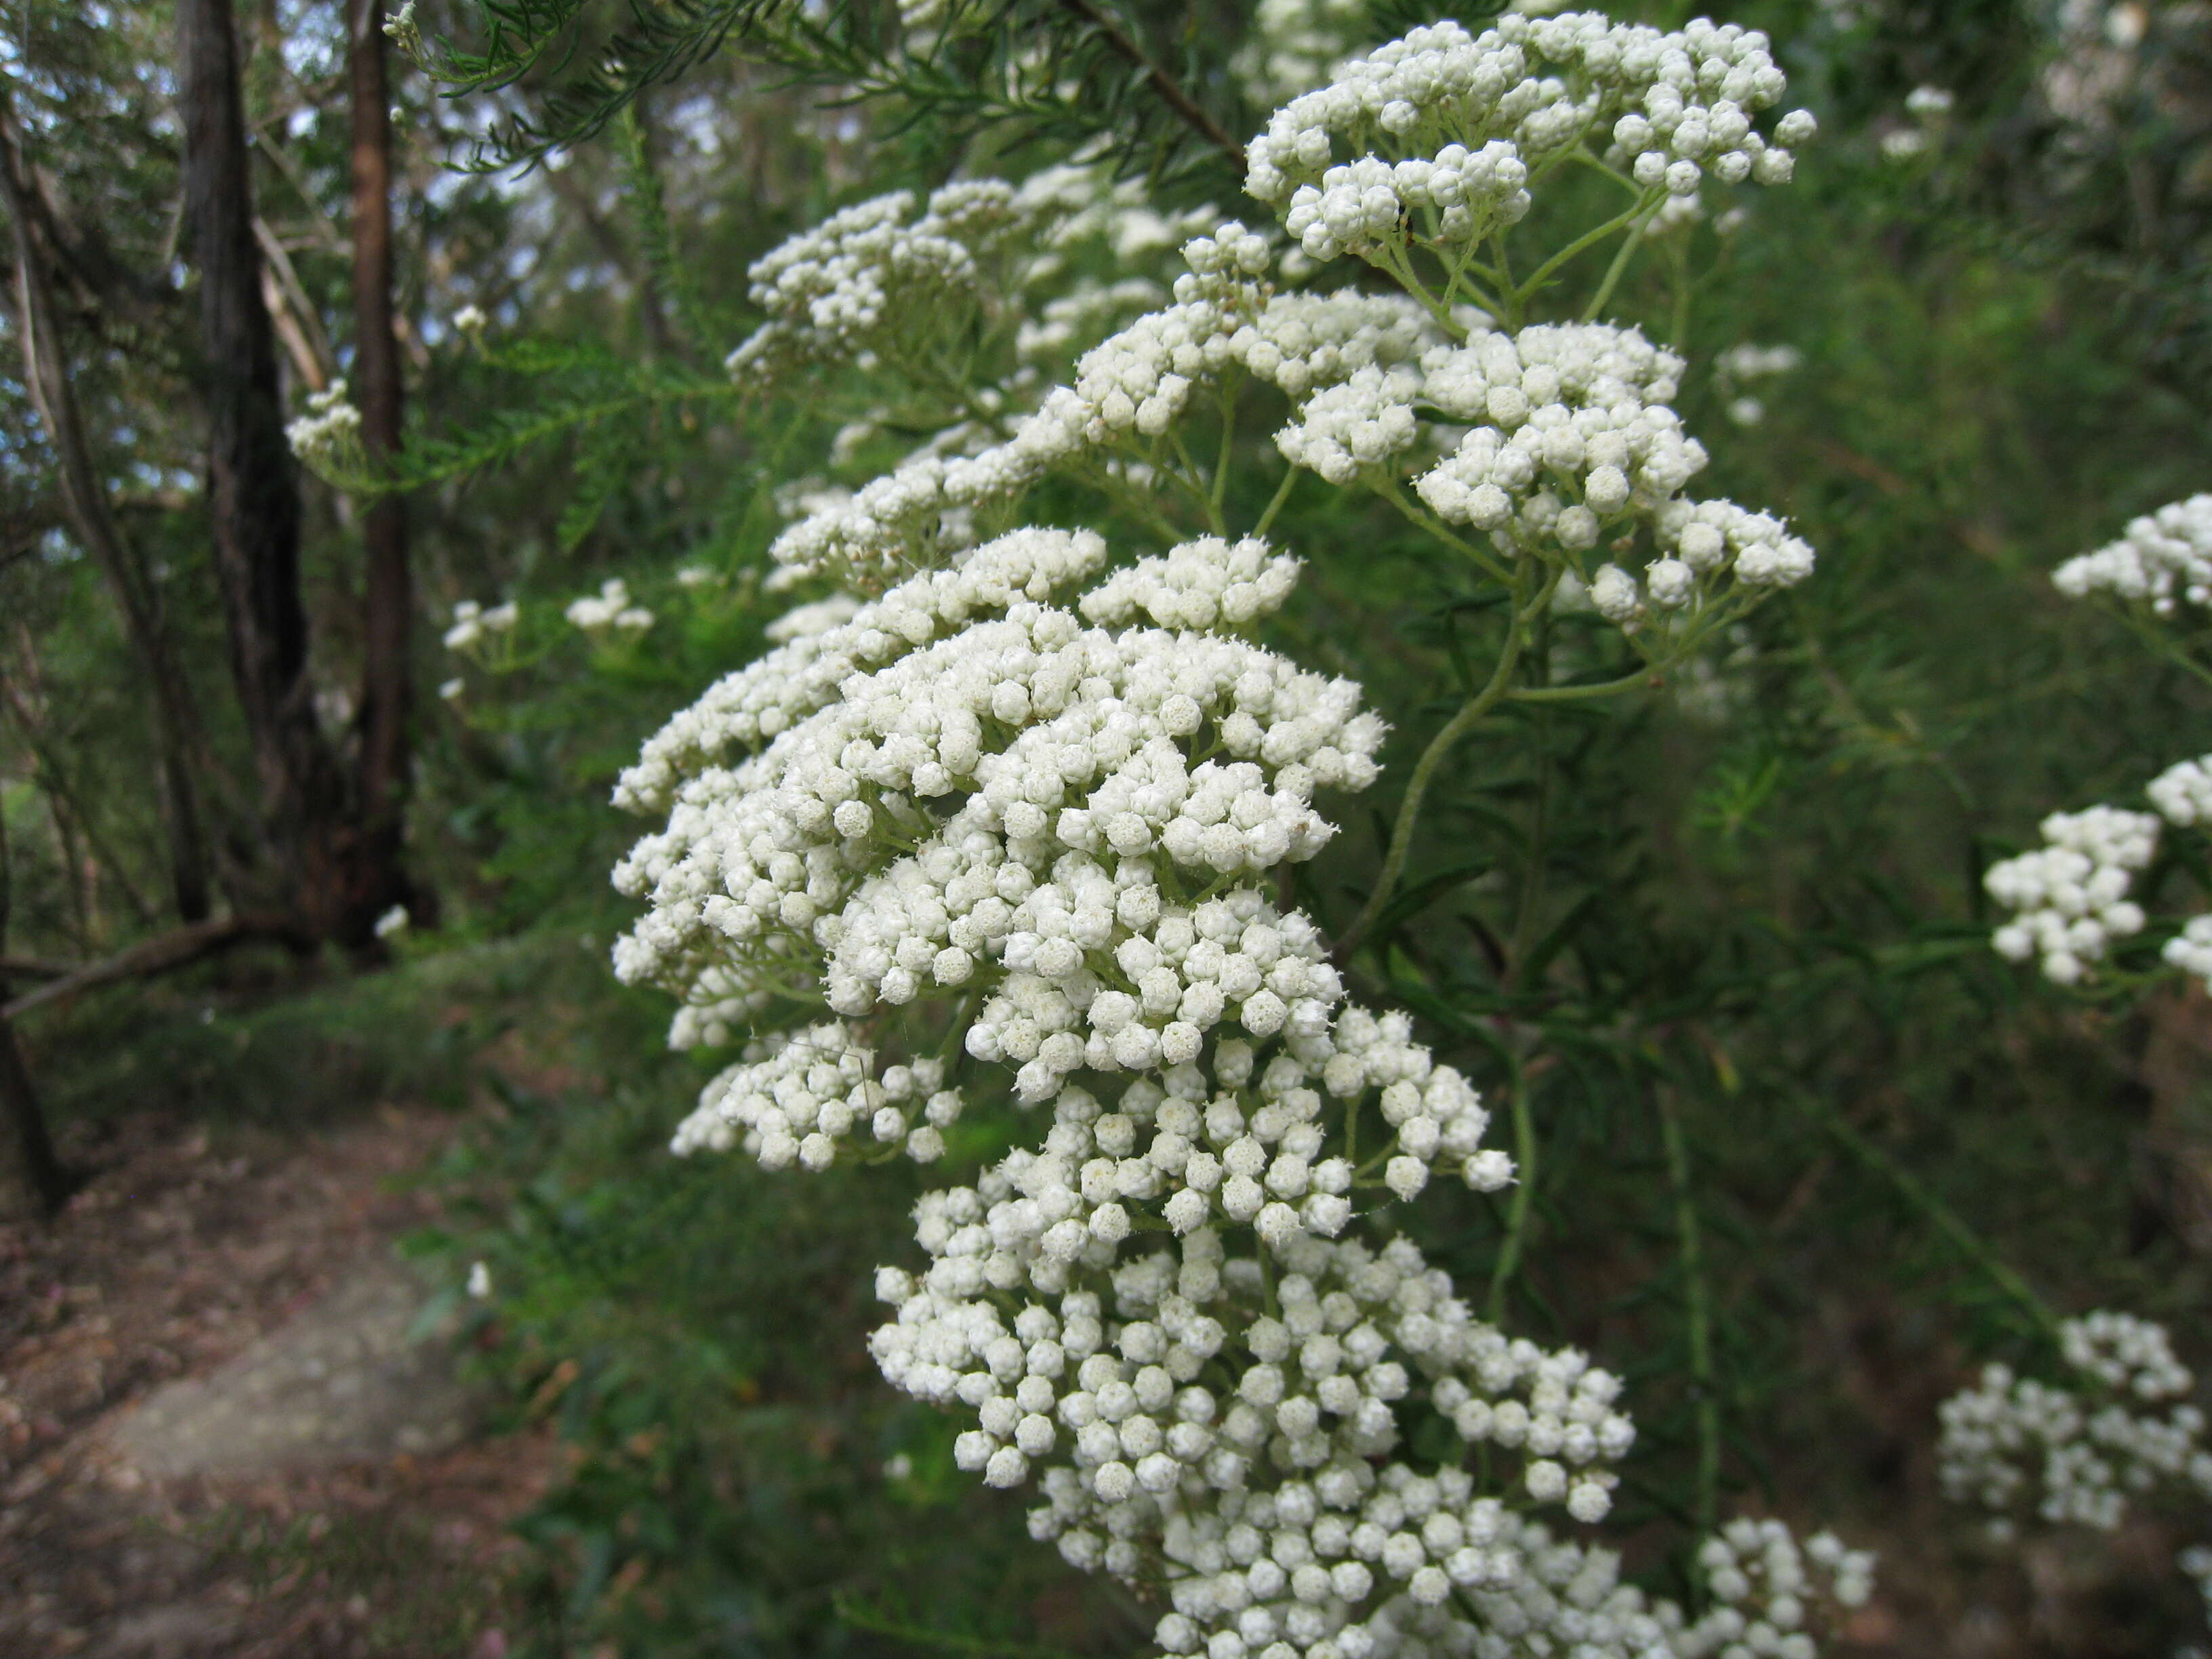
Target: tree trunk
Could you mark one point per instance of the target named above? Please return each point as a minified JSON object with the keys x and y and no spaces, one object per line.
{"x":388,"y":593}
{"x":31,"y":1179}
{"x":45,"y":374}
{"x":335,"y":878}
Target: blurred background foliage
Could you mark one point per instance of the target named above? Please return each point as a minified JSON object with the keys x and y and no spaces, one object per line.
{"x":1745,"y":931}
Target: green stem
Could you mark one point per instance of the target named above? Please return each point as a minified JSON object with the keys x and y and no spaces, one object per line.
{"x":1643,"y":679}
{"x":1613,"y":173}
{"x":1696,"y":1304}
{"x":1524,"y":1187}
{"x":1677,"y":264}
{"x":1228,"y":442}
{"x":1532,"y":884}
{"x":1201,"y":490}
{"x":1629,"y":244}
{"x":1968,"y":1242}
{"x":1275,"y":502}
{"x":1390,"y":490}
{"x":1416,"y":787}
{"x":1589,"y":239}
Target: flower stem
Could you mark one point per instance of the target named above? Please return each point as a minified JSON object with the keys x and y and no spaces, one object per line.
{"x":1968,"y":1242}
{"x":1275,"y":503}
{"x":1589,"y":239}
{"x":1643,"y":679}
{"x":1627,"y":251}
{"x":1389,"y":490}
{"x":1416,"y":787}
{"x":1524,"y":1188}
{"x":1697,"y":1306}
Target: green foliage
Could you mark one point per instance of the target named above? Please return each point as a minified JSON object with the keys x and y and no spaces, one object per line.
{"x":1025,"y":71}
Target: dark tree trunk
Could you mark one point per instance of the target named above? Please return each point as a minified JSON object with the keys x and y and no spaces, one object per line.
{"x":335,"y":878}
{"x":31,"y":1179}
{"x":388,"y":594}
{"x":45,"y":374}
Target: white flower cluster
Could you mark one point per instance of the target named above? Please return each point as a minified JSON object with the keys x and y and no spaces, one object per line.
{"x":2078,"y":1454}
{"x":1741,"y":365}
{"x":2165,"y":559}
{"x":1187,"y":1419}
{"x":2190,"y":949}
{"x":2071,"y":893}
{"x":1044,"y":807}
{"x":1567,"y":1598}
{"x":859,"y":281}
{"x":609,"y":610}
{"x":1764,"y":1585}
{"x":1058,"y":756}
{"x":1572,"y":429}
{"x":796,"y":1095}
{"x":1674,"y":105}
{"x":2183,"y":792}
{"x":472,"y":623}
{"x":1573,"y":443}
{"x":330,"y":427}
{"x":1201,"y":584}
{"x":1359,"y":422}
{"x":1362,"y":207}
{"x":1127,"y":391}
{"x":821,"y":644}
{"x":1751,"y":361}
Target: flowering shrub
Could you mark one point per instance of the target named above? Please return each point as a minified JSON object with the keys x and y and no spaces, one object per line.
{"x":2124,"y":1429}
{"x":1002,"y":831}
{"x":1022,"y":853}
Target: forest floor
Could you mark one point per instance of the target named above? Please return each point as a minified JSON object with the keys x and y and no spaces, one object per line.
{"x":220,"y":1432}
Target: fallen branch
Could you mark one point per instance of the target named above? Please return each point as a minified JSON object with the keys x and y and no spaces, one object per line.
{"x":35,"y":968}
{"x":161,"y":953}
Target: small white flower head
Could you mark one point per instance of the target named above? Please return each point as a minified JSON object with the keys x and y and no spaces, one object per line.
{"x":470,"y":323}
{"x":2190,"y":949}
{"x":2163,"y":562}
{"x":609,"y":611}
{"x":1928,"y":104}
{"x":2071,"y":895}
{"x":479,"y":1286}
{"x":392,"y":922}
{"x":451,"y":690}
{"x":1763,"y":1579}
{"x":330,"y":431}
{"x":2183,"y":793}
{"x":2120,"y":1426}
{"x":404,"y":32}
{"x":474,"y":623}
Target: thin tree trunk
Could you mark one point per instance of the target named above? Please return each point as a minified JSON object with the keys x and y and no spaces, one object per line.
{"x":84,"y":498}
{"x":388,"y":593}
{"x":253,"y":495}
{"x":31,"y":1179}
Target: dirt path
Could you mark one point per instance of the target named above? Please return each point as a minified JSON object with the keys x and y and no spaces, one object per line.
{"x":216,"y":1436}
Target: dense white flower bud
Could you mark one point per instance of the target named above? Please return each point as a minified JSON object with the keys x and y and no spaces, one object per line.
{"x":1470,"y":113}
{"x":2164,"y":560}
{"x":2071,"y":893}
{"x":2076,"y":1454}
